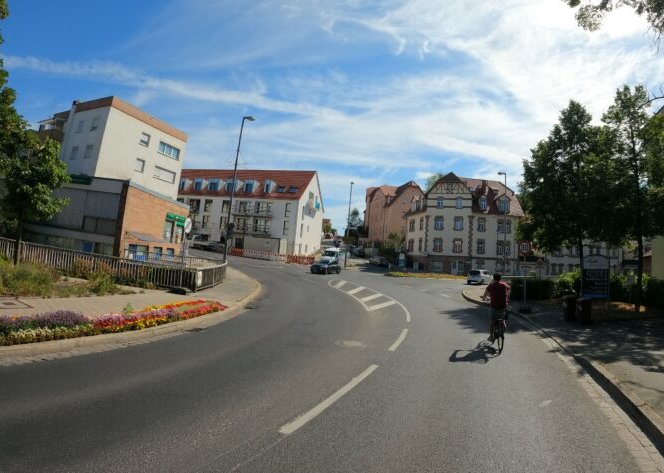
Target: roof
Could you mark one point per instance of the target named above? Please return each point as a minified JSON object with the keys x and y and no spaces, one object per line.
{"x":299,"y":180}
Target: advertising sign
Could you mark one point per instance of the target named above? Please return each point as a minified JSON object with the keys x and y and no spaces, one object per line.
{"x":595,"y":278}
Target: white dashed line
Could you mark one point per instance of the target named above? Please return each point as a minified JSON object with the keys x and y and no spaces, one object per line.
{"x":371,"y":297}
{"x":445,"y":295}
{"x":401,"y":338}
{"x":307,"y":416}
{"x":339,"y":284}
{"x":381,"y":306}
{"x":356,"y":290}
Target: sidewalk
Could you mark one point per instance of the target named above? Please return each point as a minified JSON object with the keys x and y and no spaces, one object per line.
{"x":236,"y":290}
{"x":625,"y":357}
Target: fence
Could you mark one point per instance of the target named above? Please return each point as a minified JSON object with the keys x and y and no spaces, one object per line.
{"x":192,"y":273}
{"x":266,"y":255}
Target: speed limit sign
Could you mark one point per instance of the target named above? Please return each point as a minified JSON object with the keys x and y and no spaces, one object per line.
{"x":525,"y":247}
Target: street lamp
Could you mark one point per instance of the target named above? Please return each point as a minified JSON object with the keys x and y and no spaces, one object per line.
{"x":229,"y":225}
{"x":501,"y":173}
{"x":350,"y":198}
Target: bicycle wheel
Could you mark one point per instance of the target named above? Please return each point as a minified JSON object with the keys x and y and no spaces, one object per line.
{"x":500,"y":340}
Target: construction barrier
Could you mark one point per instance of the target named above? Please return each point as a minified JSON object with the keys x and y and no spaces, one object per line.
{"x":266,"y":255}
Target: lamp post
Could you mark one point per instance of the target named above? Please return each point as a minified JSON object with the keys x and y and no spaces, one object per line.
{"x":501,"y":173}
{"x":230,"y":226}
{"x":350,"y":198}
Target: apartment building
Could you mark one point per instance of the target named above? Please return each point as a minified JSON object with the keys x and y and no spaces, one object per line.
{"x":385,"y":209}
{"x":125,"y":166}
{"x":273,"y":210}
{"x":463,"y":223}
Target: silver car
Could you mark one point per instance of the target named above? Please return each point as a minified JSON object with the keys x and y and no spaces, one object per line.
{"x":478,"y":276}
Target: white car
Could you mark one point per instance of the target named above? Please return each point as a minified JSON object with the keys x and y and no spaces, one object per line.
{"x":478,"y":276}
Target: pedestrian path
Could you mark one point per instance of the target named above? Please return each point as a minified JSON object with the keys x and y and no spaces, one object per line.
{"x":627,"y":355}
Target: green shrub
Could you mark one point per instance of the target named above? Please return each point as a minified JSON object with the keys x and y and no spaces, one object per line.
{"x":568,"y":282}
{"x":26,"y":279}
{"x":103,"y":284}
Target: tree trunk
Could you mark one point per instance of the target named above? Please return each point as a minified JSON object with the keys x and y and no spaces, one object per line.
{"x":17,"y":242}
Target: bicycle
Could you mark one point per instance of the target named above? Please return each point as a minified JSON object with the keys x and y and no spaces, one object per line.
{"x":499,"y":334}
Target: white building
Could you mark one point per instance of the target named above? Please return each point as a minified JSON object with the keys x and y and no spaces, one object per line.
{"x":273,"y":211}
{"x":463,"y":223}
{"x":111,"y":138}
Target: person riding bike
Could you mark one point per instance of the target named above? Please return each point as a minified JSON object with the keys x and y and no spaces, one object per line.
{"x":499,"y":293}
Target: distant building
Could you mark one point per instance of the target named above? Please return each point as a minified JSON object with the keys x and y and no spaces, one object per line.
{"x":273,"y":210}
{"x":125,"y":166}
{"x":463,"y":223}
{"x":385,"y":209}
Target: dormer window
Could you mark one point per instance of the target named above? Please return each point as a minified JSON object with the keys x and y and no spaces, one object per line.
{"x":229,"y":185}
{"x":292,"y":190}
{"x":503,"y":205}
{"x":213,"y":185}
{"x":183,"y":184}
{"x":281,"y":189}
{"x":269,"y":185}
{"x":483,"y":203}
{"x":198,"y":184}
{"x":249,"y":186}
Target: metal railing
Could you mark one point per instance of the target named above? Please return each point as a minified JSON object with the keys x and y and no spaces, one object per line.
{"x":189,"y":272}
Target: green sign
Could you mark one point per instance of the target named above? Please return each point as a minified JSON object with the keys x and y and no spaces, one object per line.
{"x":178,"y":219}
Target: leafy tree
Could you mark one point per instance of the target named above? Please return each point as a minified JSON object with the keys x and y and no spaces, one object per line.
{"x":637,"y":160}
{"x":30,"y":169}
{"x":560,"y":184}
{"x":590,"y":15}
{"x":327,"y":228}
{"x":355,"y":220}
{"x":431,"y":180}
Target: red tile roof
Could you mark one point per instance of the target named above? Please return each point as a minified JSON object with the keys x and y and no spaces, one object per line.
{"x":286,"y":179}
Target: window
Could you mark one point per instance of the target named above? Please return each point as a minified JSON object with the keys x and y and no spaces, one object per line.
{"x":287,"y":210}
{"x":458,"y":203}
{"x":170,"y":253}
{"x":281,"y":189}
{"x":503,"y":206}
{"x":504,"y":226}
{"x":102,"y":226}
{"x":81,"y":124}
{"x":483,"y":203}
{"x":183,"y":184}
{"x":164,"y":174}
{"x":292,"y":190}
{"x":457,"y":245}
{"x":198,"y":184}
{"x":301,"y":229}
{"x":421,"y":223}
{"x":242,"y":207}
{"x":411,"y":225}
{"x":249,"y":186}
{"x":438,"y":223}
{"x":206,"y":221}
{"x":168,"y":150}
{"x":229,"y":185}
{"x":208,"y":205}
{"x":411,"y":245}
{"x":286,"y":225}
{"x":269,"y":185}
{"x":74,"y":153}
{"x":168,"y":230}
{"x":225,"y":207}
{"x":503,"y":244}
{"x":481,"y":224}
{"x":140,"y":165}
{"x":95,"y":124}
{"x":195,"y":205}
{"x":440,"y":203}
{"x":88,"y":151}
{"x":438,"y":245}
{"x":144,"y":140}
{"x":458,"y":223}
{"x":213,"y":185}
{"x":481,"y":247}
{"x":419,"y":245}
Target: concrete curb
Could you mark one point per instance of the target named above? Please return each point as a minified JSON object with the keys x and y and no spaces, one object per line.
{"x":636,"y":408}
{"x":118,"y":340}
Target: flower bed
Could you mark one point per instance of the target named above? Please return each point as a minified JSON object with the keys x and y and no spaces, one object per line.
{"x":398,"y":274}
{"x":67,"y":324}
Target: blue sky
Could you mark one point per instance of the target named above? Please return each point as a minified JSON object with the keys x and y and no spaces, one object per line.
{"x":375,"y":92}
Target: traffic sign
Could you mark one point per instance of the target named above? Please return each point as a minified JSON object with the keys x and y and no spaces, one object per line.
{"x":187,"y":225}
{"x":525,"y":247}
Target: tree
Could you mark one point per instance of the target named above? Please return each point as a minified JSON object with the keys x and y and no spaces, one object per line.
{"x":30,"y":169}
{"x":637,"y":159}
{"x":560,"y":182}
{"x":431,"y":180}
{"x":354,"y":219}
{"x":590,"y":15}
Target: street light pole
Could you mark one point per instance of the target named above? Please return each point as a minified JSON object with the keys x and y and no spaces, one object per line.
{"x":501,"y":173}
{"x":229,"y":225}
{"x":350,"y":198}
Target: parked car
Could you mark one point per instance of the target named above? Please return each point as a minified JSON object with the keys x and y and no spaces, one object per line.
{"x":379,"y":261}
{"x":358,"y":251}
{"x":478,"y":276}
{"x":326,"y":265}
{"x":216,"y":247}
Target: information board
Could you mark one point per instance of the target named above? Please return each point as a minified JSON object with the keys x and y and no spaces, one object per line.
{"x":595,"y":278}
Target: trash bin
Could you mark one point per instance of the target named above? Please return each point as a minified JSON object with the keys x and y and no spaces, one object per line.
{"x":583,"y":310}
{"x":569,"y":306}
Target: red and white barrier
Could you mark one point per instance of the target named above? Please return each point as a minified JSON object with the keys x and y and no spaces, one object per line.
{"x":266,"y":255}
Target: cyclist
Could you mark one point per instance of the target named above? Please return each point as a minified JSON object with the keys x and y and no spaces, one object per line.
{"x":499,"y":293}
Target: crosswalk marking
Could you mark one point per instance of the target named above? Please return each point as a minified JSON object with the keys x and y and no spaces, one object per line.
{"x":381,"y":306}
{"x":339,"y":284}
{"x":356,"y":290}
{"x":371,"y":297}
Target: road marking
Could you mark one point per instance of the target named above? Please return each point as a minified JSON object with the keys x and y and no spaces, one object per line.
{"x":371,"y":297}
{"x":444,"y":295}
{"x":401,"y":338}
{"x":291,"y":427}
{"x":356,"y":290}
{"x":339,"y":284}
{"x":381,"y":306}
{"x":545,"y":403}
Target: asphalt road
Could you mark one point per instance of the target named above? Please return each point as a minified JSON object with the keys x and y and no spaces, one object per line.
{"x":348,"y":373}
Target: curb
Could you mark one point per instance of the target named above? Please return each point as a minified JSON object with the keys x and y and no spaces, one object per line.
{"x":111,"y":341}
{"x":636,"y":408}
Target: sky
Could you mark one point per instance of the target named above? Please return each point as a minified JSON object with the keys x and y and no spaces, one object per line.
{"x":364,"y":91}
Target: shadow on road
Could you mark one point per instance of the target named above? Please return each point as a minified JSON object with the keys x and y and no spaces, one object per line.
{"x":481,"y":354}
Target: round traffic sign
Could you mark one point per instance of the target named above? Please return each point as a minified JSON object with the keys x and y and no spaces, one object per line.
{"x":187,"y":225}
{"x":525,"y":247}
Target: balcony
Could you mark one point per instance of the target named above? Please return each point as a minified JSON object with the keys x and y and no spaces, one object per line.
{"x":252,"y":210}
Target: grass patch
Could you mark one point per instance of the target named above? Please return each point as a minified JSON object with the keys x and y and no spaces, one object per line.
{"x":399,"y":274}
